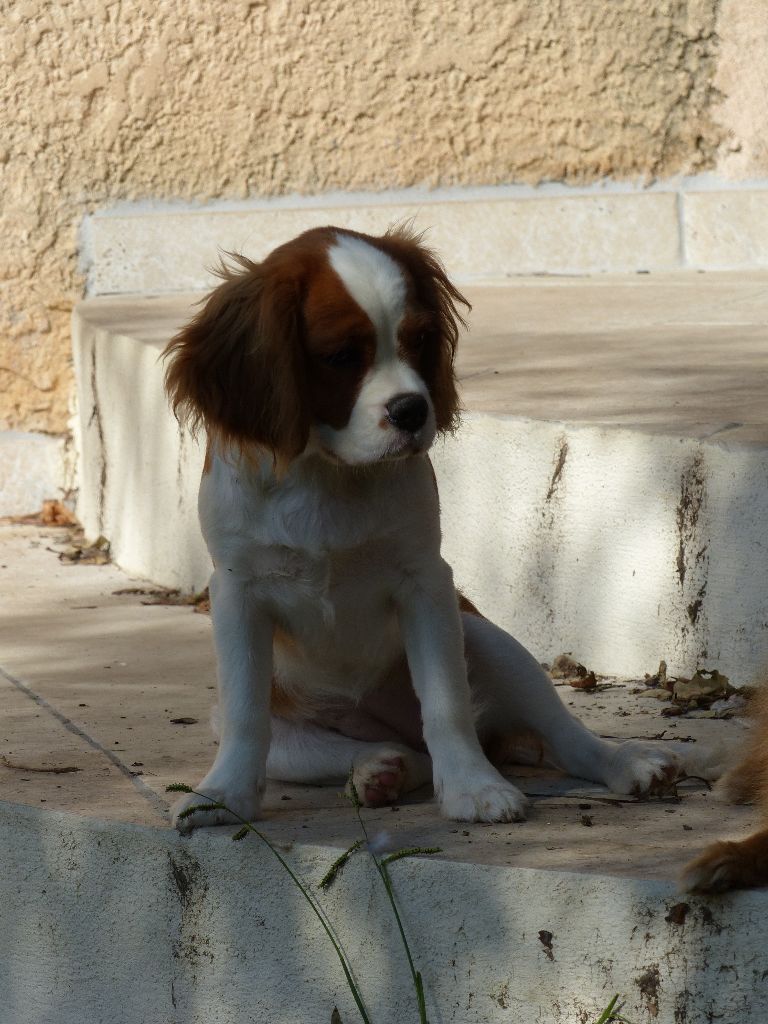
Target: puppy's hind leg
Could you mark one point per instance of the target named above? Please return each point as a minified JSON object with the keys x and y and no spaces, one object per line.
{"x":381,"y":772}
{"x":516,"y":694}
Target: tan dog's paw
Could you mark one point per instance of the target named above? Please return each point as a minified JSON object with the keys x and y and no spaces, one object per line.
{"x":729,"y":865}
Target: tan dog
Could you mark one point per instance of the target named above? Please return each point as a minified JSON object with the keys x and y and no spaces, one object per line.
{"x":743,"y":864}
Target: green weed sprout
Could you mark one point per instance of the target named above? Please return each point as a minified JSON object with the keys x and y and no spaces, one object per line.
{"x":611,"y":1013}
{"x":332,"y":873}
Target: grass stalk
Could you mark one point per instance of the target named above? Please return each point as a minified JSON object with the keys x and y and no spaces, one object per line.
{"x":317,"y":910}
{"x":382,"y":870}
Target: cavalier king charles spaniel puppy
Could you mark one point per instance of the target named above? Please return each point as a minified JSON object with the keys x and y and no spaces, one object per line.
{"x":322,"y":376}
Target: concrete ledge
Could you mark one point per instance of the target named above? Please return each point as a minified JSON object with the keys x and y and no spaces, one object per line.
{"x":607,"y":493}
{"x":119,"y":923}
{"x":487,"y":233}
{"x":33,"y":467}
{"x":725,"y":230}
{"x":479,"y":238}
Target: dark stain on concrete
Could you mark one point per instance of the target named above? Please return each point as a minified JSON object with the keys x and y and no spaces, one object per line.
{"x":649,"y":984}
{"x":180,"y":467}
{"x":678,"y":914}
{"x":562,"y":455}
{"x":95,"y":420}
{"x":694,"y":607}
{"x":192,"y":888}
{"x":545,"y":938}
{"x":692,"y":496}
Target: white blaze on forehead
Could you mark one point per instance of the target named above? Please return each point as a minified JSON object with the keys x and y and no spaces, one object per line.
{"x":375,"y":282}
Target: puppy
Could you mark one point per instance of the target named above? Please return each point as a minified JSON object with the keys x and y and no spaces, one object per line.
{"x":322,"y":376}
{"x":744,"y":864}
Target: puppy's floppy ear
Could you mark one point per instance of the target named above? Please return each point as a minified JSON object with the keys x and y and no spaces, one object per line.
{"x":439,"y":297}
{"x":238,"y":368}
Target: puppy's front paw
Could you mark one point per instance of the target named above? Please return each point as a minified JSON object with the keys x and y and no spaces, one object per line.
{"x":244,"y":803}
{"x":642,"y":769}
{"x":488,"y":800}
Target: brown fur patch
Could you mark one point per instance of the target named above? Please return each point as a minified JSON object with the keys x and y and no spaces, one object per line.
{"x":284,"y":704}
{"x":739,"y":865}
{"x":523,"y":747}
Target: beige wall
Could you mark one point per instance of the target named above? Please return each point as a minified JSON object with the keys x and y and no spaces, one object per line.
{"x":196,"y":100}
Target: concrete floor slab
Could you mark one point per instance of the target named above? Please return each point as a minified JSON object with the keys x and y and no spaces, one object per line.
{"x":94,"y":679}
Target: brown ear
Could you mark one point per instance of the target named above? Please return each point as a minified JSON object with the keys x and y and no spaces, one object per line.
{"x":436,"y":294}
{"x":237,"y":368}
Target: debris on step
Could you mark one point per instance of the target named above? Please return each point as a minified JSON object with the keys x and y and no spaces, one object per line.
{"x":587,"y":682}
{"x":53,"y":513}
{"x":167,"y":596}
{"x":79,"y":551}
{"x":573,"y":673}
{"x":564,"y":667}
{"x":706,"y":694}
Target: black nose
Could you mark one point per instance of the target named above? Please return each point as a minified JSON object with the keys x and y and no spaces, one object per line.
{"x":408,"y":412}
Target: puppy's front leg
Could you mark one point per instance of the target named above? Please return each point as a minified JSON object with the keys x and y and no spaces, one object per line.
{"x":243,"y":639}
{"x":467,"y":785}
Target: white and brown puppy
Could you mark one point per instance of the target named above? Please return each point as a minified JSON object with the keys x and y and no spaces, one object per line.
{"x":322,"y":376}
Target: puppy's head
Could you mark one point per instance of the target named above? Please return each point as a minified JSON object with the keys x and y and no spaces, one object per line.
{"x":337,"y":341}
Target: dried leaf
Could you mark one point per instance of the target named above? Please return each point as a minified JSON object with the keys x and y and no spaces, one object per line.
{"x":81,"y":552}
{"x":53,"y":513}
{"x":707,"y":685}
{"x":587,"y":682}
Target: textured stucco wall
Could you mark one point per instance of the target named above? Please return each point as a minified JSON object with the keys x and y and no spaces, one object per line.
{"x":742,"y":83}
{"x":106,"y":101}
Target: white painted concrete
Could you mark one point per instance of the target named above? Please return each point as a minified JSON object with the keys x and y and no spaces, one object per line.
{"x":33,"y":467}
{"x":625,"y":523}
{"x":621,"y":546}
{"x":138,"y":471}
{"x":116,"y":923}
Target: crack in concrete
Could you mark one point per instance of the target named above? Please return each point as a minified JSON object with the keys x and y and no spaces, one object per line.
{"x":96,"y":418}
{"x":143,"y":789}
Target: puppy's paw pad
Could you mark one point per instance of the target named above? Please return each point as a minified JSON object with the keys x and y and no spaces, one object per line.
{"x":381,"y":779}
{"x":643,"y":770}
{"x":494,"y":801}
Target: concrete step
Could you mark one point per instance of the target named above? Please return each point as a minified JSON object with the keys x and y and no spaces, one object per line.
{"x":607,"y":493}
{"x":108,"y":915}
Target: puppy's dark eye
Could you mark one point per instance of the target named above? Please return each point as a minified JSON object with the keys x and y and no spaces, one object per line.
{"x":346,"y":358}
